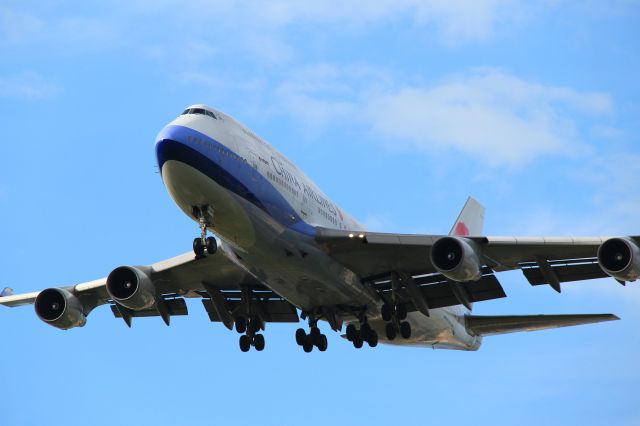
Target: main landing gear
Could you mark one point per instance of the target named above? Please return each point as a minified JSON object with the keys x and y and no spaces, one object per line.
{"x":249,"y":329}
{"x":364,"y":334}
{"x":314,"y":338}
{"x":203,"y":242}
{"x":395,"y":317}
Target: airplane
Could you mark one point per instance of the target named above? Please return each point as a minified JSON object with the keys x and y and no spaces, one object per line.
{"x":284,"y":252}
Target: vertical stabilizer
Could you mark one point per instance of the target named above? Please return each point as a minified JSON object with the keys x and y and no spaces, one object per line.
{"x":470,"y":220}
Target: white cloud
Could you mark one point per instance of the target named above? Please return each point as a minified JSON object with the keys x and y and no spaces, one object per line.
{"x":27,"y":85}
{"x":456,"y":22}
{"x":260,"y":24}
{"x":488,"y":114}
{"x":17,"y":27}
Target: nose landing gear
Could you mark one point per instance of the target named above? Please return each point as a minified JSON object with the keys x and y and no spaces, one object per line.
{"x":202,"y":243}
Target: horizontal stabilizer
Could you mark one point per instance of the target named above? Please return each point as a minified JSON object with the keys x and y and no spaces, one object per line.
{"x":488,"y":325}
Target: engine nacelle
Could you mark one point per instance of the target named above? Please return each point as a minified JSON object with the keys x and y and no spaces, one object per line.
{"x":456,"y":258}
{"x":620,"y":258}
{"x":59,"y":308}
{"x":131,"y":288}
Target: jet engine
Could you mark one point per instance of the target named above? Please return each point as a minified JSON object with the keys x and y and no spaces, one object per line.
{"x":59,"y":308}
{"x":131,"y":288}
{"x":620,"y":258}
{"x":456,"y":258}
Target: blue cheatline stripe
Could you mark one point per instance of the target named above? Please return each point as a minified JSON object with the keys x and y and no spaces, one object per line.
{"x":230,"y":171}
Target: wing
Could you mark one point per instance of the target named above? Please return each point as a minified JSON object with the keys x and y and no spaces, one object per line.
{"x":379,"y":258}
{"x":227,"y":291}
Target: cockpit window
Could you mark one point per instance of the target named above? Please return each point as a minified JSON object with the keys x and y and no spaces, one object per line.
{"x":200,"y":111}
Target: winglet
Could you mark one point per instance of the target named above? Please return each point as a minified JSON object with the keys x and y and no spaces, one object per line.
{"x":470,"y":221}
{"x":7,"y":291}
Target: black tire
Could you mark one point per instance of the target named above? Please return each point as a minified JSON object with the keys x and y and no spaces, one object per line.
{"x":308,"y":344}
{"x":358,"y":342}
{"x":211,"y":245}
{"x":390,"y":331}
{"x":324,"y":343}
{"x":401,"y":312}
{"x":301,"y":335}
{"x":373,"y":339}
{"x":241,"y":325}
{"x":255,"y":325}
{"x":405,"y":330}
{"x":351,"y":332}
{"x":198,"y":247}
{"x":386,"y":313}
{"x":245,"y":343}
{"x":258,"y":342}
{"x":317,"y":337}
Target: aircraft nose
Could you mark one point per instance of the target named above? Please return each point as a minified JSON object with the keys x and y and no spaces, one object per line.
{"x":168,"y":144}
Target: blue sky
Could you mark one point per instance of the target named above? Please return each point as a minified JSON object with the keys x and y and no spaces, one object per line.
{"x":398,"y":110}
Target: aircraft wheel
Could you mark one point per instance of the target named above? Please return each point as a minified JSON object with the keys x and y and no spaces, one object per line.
{"x":357,"y":342}
{"x":373,"y":339}
{"x":324,"y":343}
{"x":390,"y":331}
{"x":241,"y":325}
{"x":255,"y":324}
{"x":405,"y":330}
{"x":258,"y":342}
{"x":401,"y":312}
{"x":211,"y":245}
{"x":245,"y":343}
{"x":198,"y":247}
{"x":386,"y":312}
{"x":308,"y":344}
{"x":351,"y":332}
{"x":300,"y":336}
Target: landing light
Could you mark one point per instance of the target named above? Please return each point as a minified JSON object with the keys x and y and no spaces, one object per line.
{"x":350,"y":235}
{"x":361,"y":236}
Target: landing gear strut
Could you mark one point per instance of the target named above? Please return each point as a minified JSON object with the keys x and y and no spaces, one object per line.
{"x":203,"y":242}
{"x":314,"y":338}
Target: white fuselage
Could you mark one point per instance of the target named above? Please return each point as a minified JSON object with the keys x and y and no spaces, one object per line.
{"x":265,"y":210}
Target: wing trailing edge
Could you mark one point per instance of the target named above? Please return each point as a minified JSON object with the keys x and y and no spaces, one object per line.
{"x":502,"y":324}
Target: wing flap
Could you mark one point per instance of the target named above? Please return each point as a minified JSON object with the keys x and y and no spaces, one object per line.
{"x":439,"y":292}
{"x":502,"y":324}
{"x":270,"y":310}
{"x":441,"y":295}
{"x":565,"y":270}
{"x":174,"y":307}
